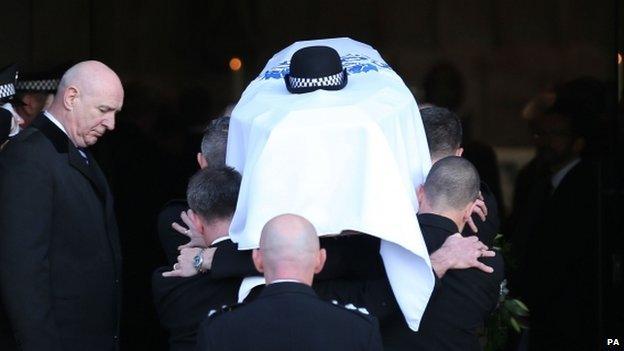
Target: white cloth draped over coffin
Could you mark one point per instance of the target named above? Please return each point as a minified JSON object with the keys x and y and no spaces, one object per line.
{"x":347,"y":159}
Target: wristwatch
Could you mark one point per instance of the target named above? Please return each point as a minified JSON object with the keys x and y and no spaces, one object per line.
{"x":198,"y":260}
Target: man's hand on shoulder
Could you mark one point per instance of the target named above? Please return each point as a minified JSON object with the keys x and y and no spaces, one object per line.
{"x":460,"y":252}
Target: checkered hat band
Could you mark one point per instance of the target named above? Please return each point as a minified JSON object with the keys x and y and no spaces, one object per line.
{"x":329,"y":81}
{"x":34,"y":85}
{"x":7,"y":90}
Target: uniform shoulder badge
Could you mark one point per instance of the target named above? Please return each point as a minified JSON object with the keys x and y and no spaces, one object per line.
{"x":225,"y":308}
{"x":351,"y":307}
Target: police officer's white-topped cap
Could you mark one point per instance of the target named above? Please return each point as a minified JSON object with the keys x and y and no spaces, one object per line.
{"x":8,"y":75}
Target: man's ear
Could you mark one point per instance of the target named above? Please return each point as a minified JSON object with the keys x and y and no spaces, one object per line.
{"x":201,"y":160}
{"x":459,"y":152}
{"x":257,"y":260}
{"x":320,"y":260}
{"x":69,"y":97}
{"x":197,"y":222}
{"x":420,"y":195}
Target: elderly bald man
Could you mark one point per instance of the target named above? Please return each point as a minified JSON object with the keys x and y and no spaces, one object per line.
{"x":60,"y":262}
{"x":287,"y":315}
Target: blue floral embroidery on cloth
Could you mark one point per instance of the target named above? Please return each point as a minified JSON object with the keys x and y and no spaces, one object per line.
{"x":353,"y":63}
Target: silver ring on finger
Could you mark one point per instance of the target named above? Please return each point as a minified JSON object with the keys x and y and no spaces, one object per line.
{"x":176,"y":266}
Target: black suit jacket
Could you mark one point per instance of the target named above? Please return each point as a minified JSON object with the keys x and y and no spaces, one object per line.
{"x":183,"y":303}
{"x":459,"y":305}
{"x":60,"y":261}
{"x":289,"y":316}
{"x":564,"y":264}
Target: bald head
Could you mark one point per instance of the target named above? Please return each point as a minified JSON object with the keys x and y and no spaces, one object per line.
{"x":450,"y":190}
{"x":289,"y":249}
{"x":90,"y":77}
{"x":88,"y":97}
{"x":452,"y":184}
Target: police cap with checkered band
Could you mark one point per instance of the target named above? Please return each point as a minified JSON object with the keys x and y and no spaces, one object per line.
{"x":8,"y":75}
{"x":313,"y":68}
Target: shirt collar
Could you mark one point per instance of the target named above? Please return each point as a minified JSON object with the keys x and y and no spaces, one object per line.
{"x":284,"y":281}
{"x":55,"y":121}
{"x":556,"y":179}
{"x":218,"y":240}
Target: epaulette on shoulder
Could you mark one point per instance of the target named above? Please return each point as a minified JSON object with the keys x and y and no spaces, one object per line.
{"x":225,"y":308}
{"x":360,"y":311}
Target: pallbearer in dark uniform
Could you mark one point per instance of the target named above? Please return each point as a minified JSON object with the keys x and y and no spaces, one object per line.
{"x":288,"y":315}
{"x":9,"y":124}
{"x":183,"y":298}
{"x":463,"y":299}
{"x":60,"y":262}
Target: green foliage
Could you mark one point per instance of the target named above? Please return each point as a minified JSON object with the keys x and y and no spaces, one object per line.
{"x":510,"y":314}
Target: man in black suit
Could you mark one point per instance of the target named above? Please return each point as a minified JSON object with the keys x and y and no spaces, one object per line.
{"x":183,"y":297}
{"x":562,"y":232}
{"x":462,"y":299}
{"x":60,"y":262}
{"x":287,"y":315}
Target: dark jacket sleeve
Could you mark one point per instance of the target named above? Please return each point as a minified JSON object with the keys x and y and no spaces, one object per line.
{"x":354,"y":256}
{"x":229,"y":262}
{"x":26,"y":196}
{"x":351,"y":256}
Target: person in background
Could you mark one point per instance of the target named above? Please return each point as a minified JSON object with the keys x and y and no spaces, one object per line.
{"x":9,"y":121}
{"x":562,"y":230}
{"x":444,"y":86}
{"x":34,"y":93}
